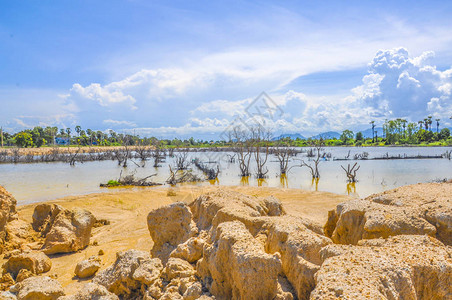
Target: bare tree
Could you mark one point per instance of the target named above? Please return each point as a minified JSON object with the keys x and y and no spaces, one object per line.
{"x":157,"y":154}
{"x":242,"y":147}
{"x":351,"y":172}
{"x":181,"y":159}
{"x":143,"y":151}
{"x":260,"y":137}
{"x":318,"y":152}
{"x":283,"y":152}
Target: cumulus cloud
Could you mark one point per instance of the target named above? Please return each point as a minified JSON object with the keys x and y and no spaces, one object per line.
{"x":203,"y":102}
{"x":402,"y":86}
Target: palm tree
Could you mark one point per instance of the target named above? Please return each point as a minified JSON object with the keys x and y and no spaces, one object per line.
{"x":373,"y":127}
{"x":430,"y":122}
{"x":68,"y":131}
{"x":420,"y":124}
{"x":437,"y":124}
{"x":404,"y":127}
{"x":78,"y":128}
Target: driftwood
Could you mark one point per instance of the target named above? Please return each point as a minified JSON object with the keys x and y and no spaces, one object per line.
{"x":211,"y":173}
{"x":130,"y":180}
{"x":182,"y":176}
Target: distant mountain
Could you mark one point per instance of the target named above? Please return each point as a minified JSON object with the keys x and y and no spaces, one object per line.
{"x":327,"y":135}
{"x":292,"y":136}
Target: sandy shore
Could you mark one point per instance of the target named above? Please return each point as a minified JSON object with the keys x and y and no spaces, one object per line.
{"x":127,"y":211}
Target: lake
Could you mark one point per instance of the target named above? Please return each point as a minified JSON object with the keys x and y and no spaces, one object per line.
{"x":45,"y":181}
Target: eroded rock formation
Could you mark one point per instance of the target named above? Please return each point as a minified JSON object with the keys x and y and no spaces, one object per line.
{"x":246,"y":247}
{"x":64,"y":230}
{"x":416,"y":209}
{"x":7,"y":213}
{"x":400,"y":267}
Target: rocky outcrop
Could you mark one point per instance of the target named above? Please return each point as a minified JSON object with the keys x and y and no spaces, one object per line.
{"x":37,"y":288}
{"x":418,"y":209}
{"x":236,"y":266}
{"x":64,"y":230}
{"x":401,"y":267}
{"x":34,"y":261}
{"x":91,"y":291}
{"x":87,"y":267}
{"x":132,"y":272}
{"x":135,"y":275}
{"x":170,"y":226}
{"x":7,"y":213}
{"x":246,"y":248}
{"x":300,"y":251}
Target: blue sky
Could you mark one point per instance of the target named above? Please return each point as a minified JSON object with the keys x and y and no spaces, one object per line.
{"x":180,"y":68}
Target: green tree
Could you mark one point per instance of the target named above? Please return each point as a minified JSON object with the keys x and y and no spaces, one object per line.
{"x":359,"y":136}
{"x":23,"y":139}
{"x":346,"y":135}
{"x":78,"y":128}
{"x":444,"y":133}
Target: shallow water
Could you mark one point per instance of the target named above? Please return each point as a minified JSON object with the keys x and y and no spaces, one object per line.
{"x":45,"y":181}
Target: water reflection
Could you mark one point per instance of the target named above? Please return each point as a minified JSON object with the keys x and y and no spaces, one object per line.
{"x":245,"y":180}
{"x":351,"y":188}
{"x":315,"y":183}
{"x":215,"y":181}
{"x":283,"y":180}
{"x":261,"y":182}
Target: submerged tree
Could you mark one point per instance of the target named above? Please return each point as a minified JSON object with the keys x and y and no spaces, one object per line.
{"x":260,"y":137}
{"x":240,"y":138}
{"x":313,"y":166}
{"x":351,"y":172}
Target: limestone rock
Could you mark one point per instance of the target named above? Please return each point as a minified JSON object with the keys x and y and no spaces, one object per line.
{"x":214,"y":208}
{"x":237,"y":265}
{"x":132,"y":271}
{"x":87,"y":267}
{"x":6,"y":281}
{"x":44,"y":216}
{"x":7,"y":213}
{"x":170,"y":226}
{"x":38,"y":288}
{"x":400,"y":267}
{"x":7,"y":296}
{"x":65,"y":231}
{"x":20,"y":235}
{"x":34,"y":261}
{"x":91,"y":291}
{"x":417,"y":209}
{"x":24,"y":274}
{"x":300,"y":251}
{"x":190,"y":250}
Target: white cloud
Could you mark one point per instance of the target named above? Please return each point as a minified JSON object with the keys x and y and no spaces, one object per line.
{"x":119,"y":123}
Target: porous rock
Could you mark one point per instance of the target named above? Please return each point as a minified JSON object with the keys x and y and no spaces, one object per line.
{"x":190,"y":250}
{"x":91,"y":291}
{"x":400,"y":267}
{"x":64,"y":230}
{"x":170,"y":226}
{"x":417,"y":209}
{"x":34,"y":261}
{"x":38,"y":288}
{"x":87,"y":267}
{"x":7,"y":213}
{"x":236,"y":265}
{"x":300,"y":251}
{"x":131,"y":274}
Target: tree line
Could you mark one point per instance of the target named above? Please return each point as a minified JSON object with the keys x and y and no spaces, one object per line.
{"x":395,"y":132}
